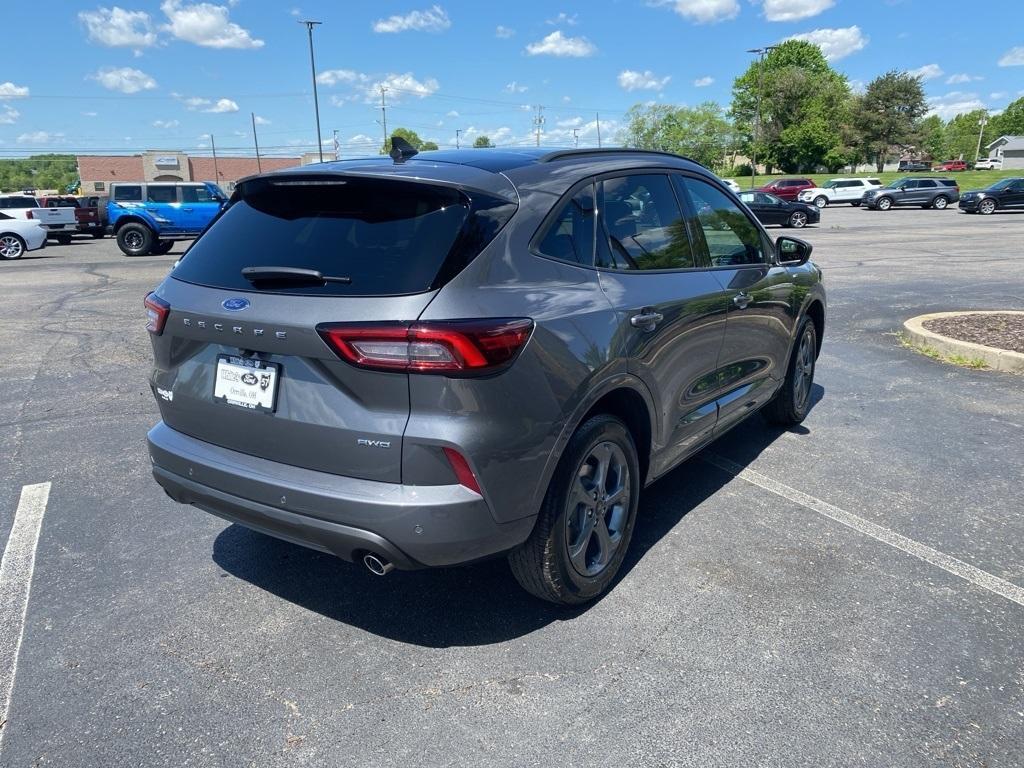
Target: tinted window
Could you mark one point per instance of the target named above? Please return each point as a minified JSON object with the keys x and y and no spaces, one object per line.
{"x":874,"y":181}
{"x":389,"y":237}
{"x":731,"y":237}
{"x":642,"y":225}
{"x":18,"y":202}
{"x":570,"y":236}
{"x":129,"y":192}
{"x":197,"y":194}
{"x":161,"y":193}
{"x":926,"y":184}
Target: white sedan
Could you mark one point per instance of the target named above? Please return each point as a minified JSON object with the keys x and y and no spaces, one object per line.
{"x":19,"y":235}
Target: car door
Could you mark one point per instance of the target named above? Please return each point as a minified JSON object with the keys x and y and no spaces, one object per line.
{"x":198,"y":205}
{"x":847,"y":191}
{"x":1013,"y":197}
{"x":761,"y":298}
{"x":161,"y":202}
{"x":775,"y":209}
{"x":670,"y":308}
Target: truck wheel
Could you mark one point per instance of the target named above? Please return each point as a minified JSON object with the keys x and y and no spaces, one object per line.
{"x":586,"y":519}
{"x":135,"y":239}
{"x":11,"y":247}
{"x":162,"y":247}
{"x":793,"y":400}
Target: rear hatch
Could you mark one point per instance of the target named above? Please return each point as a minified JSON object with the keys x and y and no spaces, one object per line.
{"x":239,"y":362}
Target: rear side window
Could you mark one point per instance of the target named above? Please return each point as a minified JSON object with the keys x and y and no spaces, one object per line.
{"x":161,"y":193}
{"x":570,"y":237}
{"x":926,"y":184}
{"x":128,"y":193}
{"x":643,"y":225}
{"x":389,"y":237}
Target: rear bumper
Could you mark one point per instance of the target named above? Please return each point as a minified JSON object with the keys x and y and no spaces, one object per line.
{"x":413,"y":526}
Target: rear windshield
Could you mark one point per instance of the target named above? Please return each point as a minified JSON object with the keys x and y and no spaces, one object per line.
{"x":389,"y":237}
{"x":18,"y":202}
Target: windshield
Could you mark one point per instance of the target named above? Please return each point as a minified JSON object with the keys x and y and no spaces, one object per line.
{"x":830,"y":184}
{"x":1002,"y":184}
{"x":897,"y":184}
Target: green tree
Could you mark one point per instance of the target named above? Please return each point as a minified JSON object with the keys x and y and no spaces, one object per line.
{"x":428,"y":145}
{"x":932,"y":133}
{"x":888,"y":114}
{"x":482,"y":142}
{"x":702,"y":133}
{"x":1009,"y":123}
{"x":38,"y":172}
{"x":803,"y":104}
{"x":962,"y":135}
{"x":403,"y":133}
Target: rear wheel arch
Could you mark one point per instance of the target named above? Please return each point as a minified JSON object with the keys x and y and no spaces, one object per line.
{"x":816,"y":311}
{"x":123,"y":220}
{"x":629,"y":406}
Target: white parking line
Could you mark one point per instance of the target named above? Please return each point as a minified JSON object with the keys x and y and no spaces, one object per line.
{"x":16,"y":568}
{"x":941,"y":560}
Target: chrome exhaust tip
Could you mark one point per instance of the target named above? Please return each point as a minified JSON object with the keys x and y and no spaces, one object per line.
{"x":378,"y":566}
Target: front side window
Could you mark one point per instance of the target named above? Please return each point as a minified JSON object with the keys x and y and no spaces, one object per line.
{"x":161,"y":193}
{"x":197,"y":194}
{"x":732,"y":238}
{"x":570,"y":237}
{"x":128,"y":193}
{"x":642,"y":225}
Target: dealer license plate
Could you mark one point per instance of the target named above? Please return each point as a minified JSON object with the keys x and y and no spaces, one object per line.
{"x":246,"y":383}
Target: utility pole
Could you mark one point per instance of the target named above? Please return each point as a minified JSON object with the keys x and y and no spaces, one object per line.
{"x":256,"y":141}
{"x":576,"y":136}
{"x":597,"y":115}
{"x":316,"y":100}
{"x":216,"y":174}
{"x":384,"y":115}
{"x":458,"y":131}
{"x":981,"y":130}
{"x":337,"y":146}
{"x":757,"y":114}
{"x":538,"y":122}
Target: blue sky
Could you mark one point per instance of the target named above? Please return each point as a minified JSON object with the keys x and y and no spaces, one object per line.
{"x":163,"y":74}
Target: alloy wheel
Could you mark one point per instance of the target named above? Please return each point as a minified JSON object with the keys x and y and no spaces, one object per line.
{"x":798,"y":219}
{"x":821,"y":201}
{"x":884,"y":204}
{"x":598,"y":509}
{"x":804,"y":370}
{"x":133,"y":240}
{"x":941,"y":202}
{"x":987,"y":206}
{"x":10,"y":247}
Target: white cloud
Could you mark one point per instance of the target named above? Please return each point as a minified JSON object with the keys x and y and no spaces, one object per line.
{"x":335,"y":76}
{"x":368,"y":86}
{"x":404,"y":84}
{"x":9,"y":90}
{"x":564,"y":18}
{"x":927,"y":72}
{"x":207,"y":25}
{"x":504,"y":32}
{"x":835,"y":44}
{"x":954,"y":103}
{"x":8,"y":115}
{"x":89,"y":114}
{"x":571,"y":122}
{"x":515,"y":87}
{"x":1013,"y":57}
{"x":962,"y":78}
{"x":557,"y":44}
{"x":223,"y":105}
{"x":116,"y":27}
{"x":452,"y":113}
{"x":434,"y":19}
{"x":261,"y":120}
{"x":194,"y":103}
{"x":124,"y":79}
{"x":703,"y":11}
{"x":794,"y":10}
{"x":998,"y":95}
{"x":703,"y":82}
{"x":631,"y":80}
{"x":165,"y":123}
{"x":41,"y":137}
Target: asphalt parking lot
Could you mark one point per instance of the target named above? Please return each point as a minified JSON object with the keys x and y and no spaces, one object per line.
{"x":847,"y":593}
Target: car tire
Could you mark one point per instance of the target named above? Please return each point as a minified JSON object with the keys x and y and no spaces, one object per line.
{"x":855,"y":203}
{"x":63,"y":239}
{"x":162,"y":247}
{"x":821,"y":201}
{"x":792,"y":402}
{"x":987,"y":206}
{"x":883,"y":203}
{"x":11,"y":247}
{"x":135,"y":239}
{"x":797,"y":220}
{"x":567,"y":559}
{"x":940,"y":203}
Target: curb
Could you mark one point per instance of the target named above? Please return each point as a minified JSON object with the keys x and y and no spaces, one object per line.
{"x":995,"y":358}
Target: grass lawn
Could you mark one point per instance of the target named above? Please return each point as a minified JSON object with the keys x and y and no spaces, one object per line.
{"x":965,"y":179}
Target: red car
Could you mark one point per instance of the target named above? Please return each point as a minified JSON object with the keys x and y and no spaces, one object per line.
{"x":787,"y":189}
{"x":951,"y":165}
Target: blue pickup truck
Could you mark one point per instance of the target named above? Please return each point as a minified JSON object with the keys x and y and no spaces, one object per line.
{"x":149,"y":217}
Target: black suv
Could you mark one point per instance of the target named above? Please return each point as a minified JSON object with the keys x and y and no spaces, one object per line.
{"x":462,"y":354}
{"x":1005,"y":194}
{"x":926,"y":193}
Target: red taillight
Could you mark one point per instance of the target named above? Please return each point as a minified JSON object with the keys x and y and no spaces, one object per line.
{"x":451,"y":348}
{"x":462,"y":471}
{"x":156,"y":313}
{"x":28,"y":214}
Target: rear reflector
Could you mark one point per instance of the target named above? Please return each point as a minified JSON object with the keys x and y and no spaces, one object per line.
{"x":156,"y":313}
{"x":451,"y":348}
{"x":462,"y":471}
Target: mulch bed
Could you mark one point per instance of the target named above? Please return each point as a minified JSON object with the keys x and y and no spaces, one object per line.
{"x":1004,"y":331}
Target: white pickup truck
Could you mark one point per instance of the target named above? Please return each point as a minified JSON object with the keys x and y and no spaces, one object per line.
{"x":60,"y":223}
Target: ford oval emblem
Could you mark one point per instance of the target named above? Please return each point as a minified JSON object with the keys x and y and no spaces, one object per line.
{"x":236,"y":304}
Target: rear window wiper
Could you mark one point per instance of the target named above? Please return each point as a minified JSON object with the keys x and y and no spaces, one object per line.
{"x":290,"y":274}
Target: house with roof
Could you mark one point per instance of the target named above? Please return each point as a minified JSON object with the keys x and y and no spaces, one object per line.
{"x":1009,"y":149}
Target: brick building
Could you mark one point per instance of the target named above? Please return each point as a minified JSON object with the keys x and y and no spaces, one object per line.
{"x":98,"y":171}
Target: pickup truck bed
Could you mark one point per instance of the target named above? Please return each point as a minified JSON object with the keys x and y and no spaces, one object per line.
{"x":58,"y":221}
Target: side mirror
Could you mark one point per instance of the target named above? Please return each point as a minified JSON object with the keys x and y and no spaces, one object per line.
{"x":791,"y":252}
{"x":903,"y":187}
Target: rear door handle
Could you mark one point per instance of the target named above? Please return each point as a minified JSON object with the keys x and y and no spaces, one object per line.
{"x":741,"y":300}
{"x":646,"y":320}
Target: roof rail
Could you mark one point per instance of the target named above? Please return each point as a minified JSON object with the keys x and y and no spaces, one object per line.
{"x":565,"y":154}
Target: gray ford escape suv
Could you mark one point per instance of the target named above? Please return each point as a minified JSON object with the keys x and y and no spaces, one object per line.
{"x":428,"y":360}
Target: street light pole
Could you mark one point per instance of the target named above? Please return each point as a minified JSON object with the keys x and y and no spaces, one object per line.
{"x":316,"y":101}
{"x":757,"y":110}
